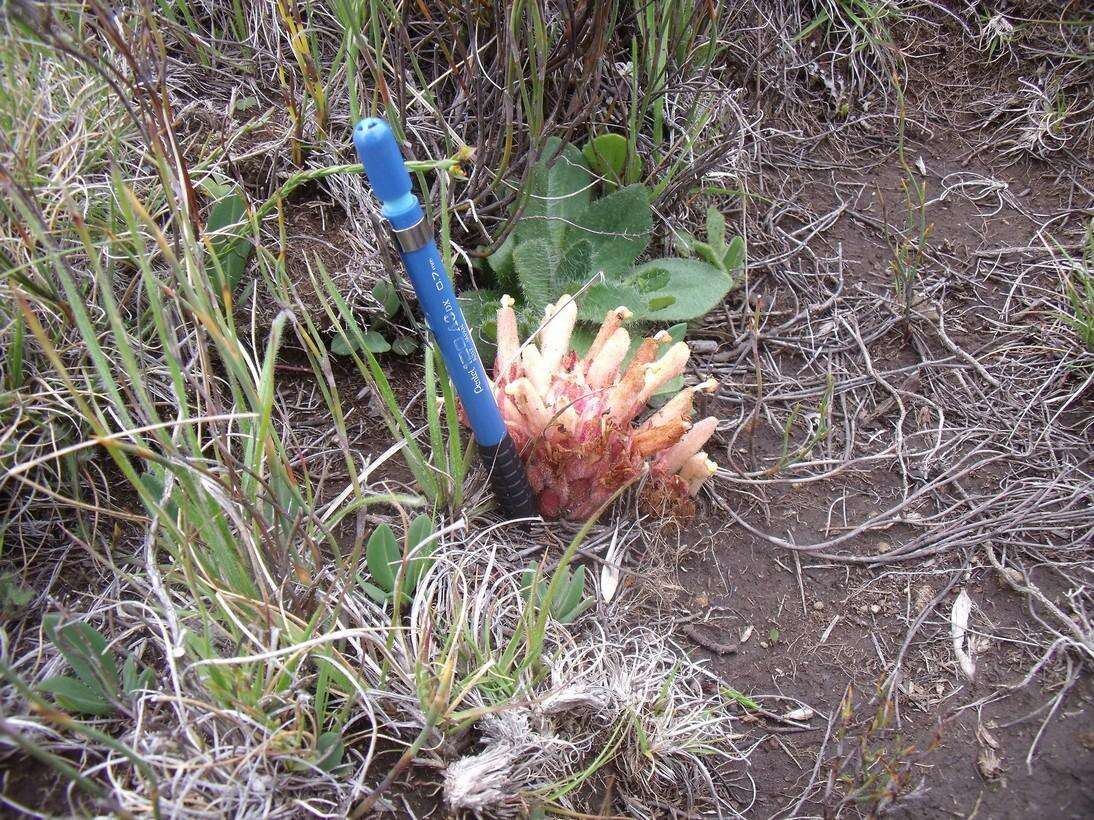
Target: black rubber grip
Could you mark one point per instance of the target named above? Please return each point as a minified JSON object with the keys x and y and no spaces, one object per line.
{"x":508,"y":480}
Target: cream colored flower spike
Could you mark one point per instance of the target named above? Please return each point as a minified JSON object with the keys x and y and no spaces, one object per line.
{"x":576,"y":420}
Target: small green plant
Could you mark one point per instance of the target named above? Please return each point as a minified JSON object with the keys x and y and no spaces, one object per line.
{"x":1080,"y":291}
{"x":396,"y":569}
{"x":566,"y":239}
{"x":98,"y":687}
{"x":909,"y":248}
{"x":819,"y":424}
{"x":872,"y":764}
{"x":13,"y":595}
{"x":382,"y":334}
{"x":569,"y":601}
{"x":225,"y":226}
{"x":727,"y":257}
{"x":741,"y":698}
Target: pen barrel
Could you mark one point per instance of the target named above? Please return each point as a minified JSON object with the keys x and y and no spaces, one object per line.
{"x":453,"y":337}
{"x":387,"y":174}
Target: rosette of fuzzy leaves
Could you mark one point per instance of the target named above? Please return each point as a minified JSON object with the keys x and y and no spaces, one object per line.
{"x":565,"y":237}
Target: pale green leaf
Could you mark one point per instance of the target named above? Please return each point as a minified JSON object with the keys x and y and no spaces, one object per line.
{"x":341,"y":345}
{"x":421,"y":557}
{"x":480,"y":309}
{"x":501,"y":263}
{"x":85,"y":649}
{"x":404,"y":345}
{"x":574,"y":269}
{"x":607,"y":157}
{"x":382,"y":554}
{"x":376,"y":343}
{"x":76,"y":696}
{"x":617,"y":227}
{"x":330,"y":749}
{"x":697,"y":287}
{"x":734,"y":258}
{"x":226,"y":226}
{"x":716,"y":228}
{"x":601,"y":298}
{"x":385,"y":293}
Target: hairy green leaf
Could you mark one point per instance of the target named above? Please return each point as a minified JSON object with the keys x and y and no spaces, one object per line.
{"x":575,"y":267}
{"x":716,"y":227}
{"x":501,"y":263}
{"x":617,"y":227}
{"x":564,"y":241}
{"x":558,"y":190}
{"x":599,"y":299}
{"x":480,"y":309}
{"x":536,"y":264}
{"x":697,"y":287}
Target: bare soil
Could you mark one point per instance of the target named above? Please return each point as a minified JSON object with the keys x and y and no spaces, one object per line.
{"x":776,"y":624}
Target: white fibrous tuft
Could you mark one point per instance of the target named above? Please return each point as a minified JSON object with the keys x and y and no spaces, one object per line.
{"x":516,"y":758}
{"x":482,"y":783}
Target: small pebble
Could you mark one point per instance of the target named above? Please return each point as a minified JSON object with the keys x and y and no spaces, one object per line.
{"x":875,"y":609}
{"x":763,"y":644}
{"x":818,"y":605}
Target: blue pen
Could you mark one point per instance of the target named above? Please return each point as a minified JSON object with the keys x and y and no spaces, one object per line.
{"x":390,"y":181}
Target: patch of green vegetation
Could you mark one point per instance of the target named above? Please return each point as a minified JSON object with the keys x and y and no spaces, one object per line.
{"x":565,"y":607}
{"x":382,"y":335}
{"x":396,"y":570}
{"x":568,"y":241}
{"x":98,"y":687}
{"x":729,"y":257}
{"x":872,"y":761}
{"x":1080,"y":291}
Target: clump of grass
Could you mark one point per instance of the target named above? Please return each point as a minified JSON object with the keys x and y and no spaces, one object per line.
{"x":872,"y":767}
{"x":553,"y":706}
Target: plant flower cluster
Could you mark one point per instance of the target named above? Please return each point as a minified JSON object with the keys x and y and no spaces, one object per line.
{"x":574,"y":418}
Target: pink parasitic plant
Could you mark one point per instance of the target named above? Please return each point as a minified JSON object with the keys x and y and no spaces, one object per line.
{"x":573,"y":418}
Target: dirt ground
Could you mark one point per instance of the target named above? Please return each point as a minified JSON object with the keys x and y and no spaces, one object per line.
{"x":782,"y":625}
{"x":828,"y":633}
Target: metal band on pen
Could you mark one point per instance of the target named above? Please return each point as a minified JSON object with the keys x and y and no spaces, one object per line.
{"x":414,"y":238}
